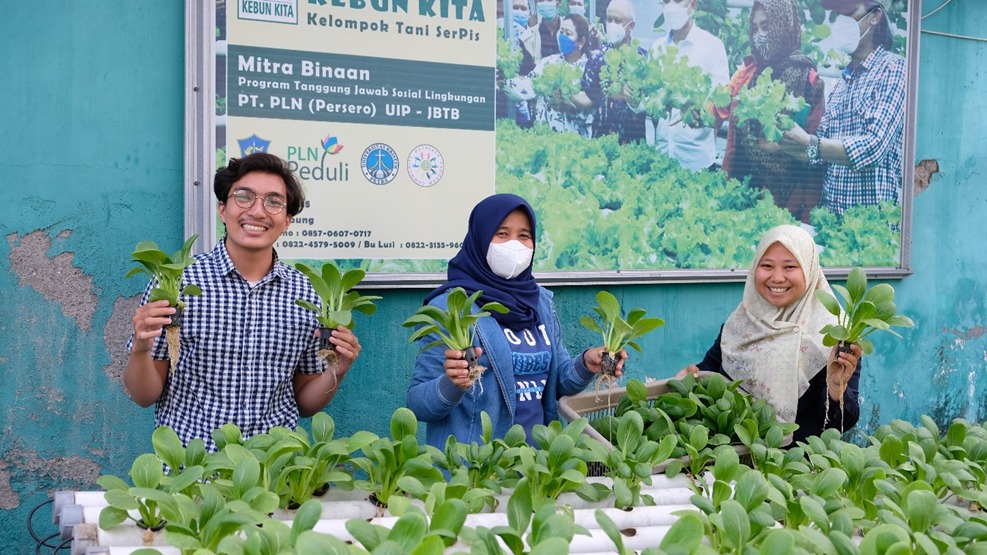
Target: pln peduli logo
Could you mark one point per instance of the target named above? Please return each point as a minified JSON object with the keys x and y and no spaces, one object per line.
{"x":331,"y":145}
{"x":253,"y":144}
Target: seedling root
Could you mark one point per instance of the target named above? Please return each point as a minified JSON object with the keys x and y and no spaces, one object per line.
{"x":332,"y":362}
{"x":834,"y":365}
{"x":607,"y":378}
{"x":171,"y":337}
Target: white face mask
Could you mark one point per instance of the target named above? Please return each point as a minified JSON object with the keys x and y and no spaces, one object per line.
{"x":615,"y":32}
{"x":676,"y":16}
{"x":509,"y":259}
{"x":548,"y":10}
{"x":845,"y":34}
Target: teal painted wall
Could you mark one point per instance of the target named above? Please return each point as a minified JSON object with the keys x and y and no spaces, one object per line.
{"x":91,"y":163}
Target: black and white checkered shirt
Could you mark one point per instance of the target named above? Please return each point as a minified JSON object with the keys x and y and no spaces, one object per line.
{"x":241,"y":345}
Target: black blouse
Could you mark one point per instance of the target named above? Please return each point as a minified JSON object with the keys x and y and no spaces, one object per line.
{"x":812,"y":404}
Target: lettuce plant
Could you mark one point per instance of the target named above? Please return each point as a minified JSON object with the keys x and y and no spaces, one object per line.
{"x":166,"y":272}
{"x":455,"y":326}
{"x":769,"y":106}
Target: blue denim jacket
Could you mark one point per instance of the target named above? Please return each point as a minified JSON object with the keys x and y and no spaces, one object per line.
{"x":448,"y":410}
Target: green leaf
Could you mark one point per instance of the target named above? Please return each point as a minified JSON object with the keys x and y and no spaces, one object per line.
{"x":920,"y":506}
{"x":146,"y":471}
{"x":111,"y":517}
{"x":736,"y":524}
{"x":829,"y":302}
{"x":828,"y":482}
{"x":856,"y":284}
{"x":685,"y":535}
{"x":519,"y":507}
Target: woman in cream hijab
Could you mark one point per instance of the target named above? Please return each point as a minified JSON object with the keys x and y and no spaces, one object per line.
{"x":772,"y":343}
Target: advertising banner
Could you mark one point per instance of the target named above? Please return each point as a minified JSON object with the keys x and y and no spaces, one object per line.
{"x":655,"y":140}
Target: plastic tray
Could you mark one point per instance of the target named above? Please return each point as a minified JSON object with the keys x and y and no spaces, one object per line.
{"x":592,"y":405}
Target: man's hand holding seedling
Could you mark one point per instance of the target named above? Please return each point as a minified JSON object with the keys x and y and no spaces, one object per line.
{"x":148,"y":322}
{"x":347,"y":348}
{"x":314,"y":391}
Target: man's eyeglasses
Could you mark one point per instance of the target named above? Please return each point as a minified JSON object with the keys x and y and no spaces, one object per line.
{"x":245,"y":199}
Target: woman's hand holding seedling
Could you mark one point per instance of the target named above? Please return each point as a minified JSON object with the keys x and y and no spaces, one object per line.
{"x":593,"y":359}
{"x":843,"y":366}
{"x":458,"y":367}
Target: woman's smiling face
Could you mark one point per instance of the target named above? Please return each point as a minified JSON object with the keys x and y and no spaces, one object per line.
{"x":779,"y":277}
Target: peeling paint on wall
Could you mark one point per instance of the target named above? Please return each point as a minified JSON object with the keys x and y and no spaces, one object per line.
{"x":924,"y":171}
{"x":118,"y":328}
{"x":67,"y":471}
{"x":8,"y":497}
{"x":57,"y":279}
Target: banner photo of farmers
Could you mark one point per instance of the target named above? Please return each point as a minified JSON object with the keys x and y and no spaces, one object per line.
{"x":648,"y":135}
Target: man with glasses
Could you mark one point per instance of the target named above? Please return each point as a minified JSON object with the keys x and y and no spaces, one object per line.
{"x":248,"y":353}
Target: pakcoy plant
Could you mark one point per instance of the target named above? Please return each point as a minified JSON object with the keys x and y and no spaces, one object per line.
{"x":321,"y":461}
{"x":558,"y":464}
{"x":148,"y":496}
{"x":617,"y":332}
{"x":386,"y":460}
{"x":485,"y":464}
{"x":273,"y":537}
{"x":166,"y":272}
{"x":630,"y":464}
{"x":337,"y":301}
{"x":543,"y":528}
{"x":201,"y":524}
{"x":863,"y":312}
{"x":455,"y":326}
{"x":413,"y":531}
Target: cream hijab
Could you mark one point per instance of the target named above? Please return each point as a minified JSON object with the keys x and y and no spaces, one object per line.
{"x":776,"y":351}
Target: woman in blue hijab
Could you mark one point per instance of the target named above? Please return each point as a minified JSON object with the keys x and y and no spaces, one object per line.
{"x":528,"y":367}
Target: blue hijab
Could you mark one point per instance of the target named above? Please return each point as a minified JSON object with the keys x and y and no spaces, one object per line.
{"x":469,"y":268}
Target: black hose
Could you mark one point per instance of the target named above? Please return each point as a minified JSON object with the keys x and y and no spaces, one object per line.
{"x":30,"y":518}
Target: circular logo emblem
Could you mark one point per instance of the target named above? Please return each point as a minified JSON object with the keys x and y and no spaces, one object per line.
{"x":379,"y":164}
{"x":425,"y":165}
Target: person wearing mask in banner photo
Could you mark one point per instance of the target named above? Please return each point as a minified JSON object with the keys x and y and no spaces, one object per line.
{"x":539,"y":40}
{"x":776,"y":37}
{"x":527,"y":365}
{"x":693,"y":147}
{"x":612,"y":113}
{"x":560,"y":113}
{"x":860,"y":139}
{"x":772,"y":344}
{"x":248,"y":353}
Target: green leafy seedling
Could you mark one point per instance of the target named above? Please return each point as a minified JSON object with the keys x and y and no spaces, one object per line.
{"x":863,"y":312}
{"x":455,"y":326}
{"x":770,"y":105}
{"x":617,"y":332}
{"x":337,"y":301}
{"x":166,"y":272}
